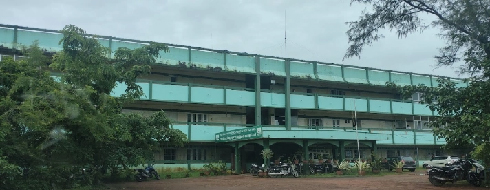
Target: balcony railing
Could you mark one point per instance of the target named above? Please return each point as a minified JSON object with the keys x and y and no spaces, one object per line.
{"x":223,"y":95}
{"x":204,"y":131}
{"x":12,"y":37}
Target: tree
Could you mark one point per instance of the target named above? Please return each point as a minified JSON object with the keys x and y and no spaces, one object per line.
{"x":49,"y":130}
{"x":465,"y":25}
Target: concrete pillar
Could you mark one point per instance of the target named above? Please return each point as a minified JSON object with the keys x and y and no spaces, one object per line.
{"x":287,"y":89}
{"x":266,"y":146}
{"x":374,"y":149}
{"x":238,"y":168}
{"x":258,"y":106}
{"x":342,"y":151}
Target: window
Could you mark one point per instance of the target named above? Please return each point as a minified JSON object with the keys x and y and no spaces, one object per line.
{"x":197,"y":118}
{"x":336,"y":122}
{"x":353,"y":154}
{"x":314,"y":123}
{"x":196,"y":154}
{"x":169,"y":154}
{"x":417,"y":97}
{"x":309,"y":90}
{"x":338,"y":92}
{"x":173,"y":79}
{"x":347,"y":121}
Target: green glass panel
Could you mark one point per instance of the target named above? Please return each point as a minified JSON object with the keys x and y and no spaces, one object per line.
{"x":329,"y":72}
{"x":272,"y":67}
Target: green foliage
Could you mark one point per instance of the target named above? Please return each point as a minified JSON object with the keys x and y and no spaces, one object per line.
{"x":50,"y":130}
{"x":267,"y":153}
{"x":376,"y":163}
{"x":215,"y":167}
{"x":465,"y":25}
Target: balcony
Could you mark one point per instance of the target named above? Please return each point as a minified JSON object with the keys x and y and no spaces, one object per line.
{"x":220,"y":95}
{"x":13,"y":37}
{"x":206,"y":132}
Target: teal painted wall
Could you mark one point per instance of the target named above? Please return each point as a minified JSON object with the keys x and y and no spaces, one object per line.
{"x":357,"y":104}
{"x":237,"y":63}
{"x":419,"y":79}
{"x":167,"y":92}
{"x":379,"y":106}
{"x":205,"y":59}
{"x":6,"y":37}
{"x":174,"y":56}
{"x":330,"y":72}
{"x":272,"y":100}
{"x":207,"y":95}
{"x":378,"y":77}
{"x":302,"y":69}
{"x":355,"y":75}
{"x":330,"y":103}
{"x":205,"y":132}
{"x":240,"y":98}
{"x":404,"y":137}
{"x":401,"y":79}
{"x":425,"y":137}
{"x":268,"y":66}
{"x":46,"y":41}
{"x":402,"y":108}
{"x":421,"y":109}
{"x":302,"y":101}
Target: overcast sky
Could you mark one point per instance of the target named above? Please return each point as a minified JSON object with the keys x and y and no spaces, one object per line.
{"x":315,"y":28}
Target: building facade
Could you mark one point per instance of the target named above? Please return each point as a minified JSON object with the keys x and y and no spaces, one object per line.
{"x":232,"y":105}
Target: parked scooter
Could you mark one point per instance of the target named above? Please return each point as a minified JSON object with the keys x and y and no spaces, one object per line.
{"x":283,"y":169}
{"x":147,"y":173}
{"x":468,"y":170}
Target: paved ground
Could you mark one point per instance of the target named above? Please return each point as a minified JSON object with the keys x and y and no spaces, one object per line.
{"x":403,"y":181}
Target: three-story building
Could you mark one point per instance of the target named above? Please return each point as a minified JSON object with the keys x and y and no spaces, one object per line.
{"x":232,"y":105}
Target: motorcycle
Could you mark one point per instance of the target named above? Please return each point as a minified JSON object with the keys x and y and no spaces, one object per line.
{"x":283,"y":169}
{"x":147,"y":173}
{"x":254,"y":169}
{"x":468,"y":170}
{"x":321,"y":168}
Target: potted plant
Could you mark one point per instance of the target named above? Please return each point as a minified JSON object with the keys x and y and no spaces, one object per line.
{"x":398,"y":166}
{"x":362,"y":166}
{"x":320,"y":158}
{"x":376,"y":166}
{"x":343,"y":166}
{"x":266,"y":155}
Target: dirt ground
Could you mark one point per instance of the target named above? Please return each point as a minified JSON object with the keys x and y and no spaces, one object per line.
{"x":403,"y":181}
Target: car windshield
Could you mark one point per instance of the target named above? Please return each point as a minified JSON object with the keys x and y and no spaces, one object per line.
{"x":439,"y":158}
{"x":407,"y":158}
{"x":454,"y":157}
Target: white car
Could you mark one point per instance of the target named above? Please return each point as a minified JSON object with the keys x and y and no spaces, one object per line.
{"x":440,"y":161}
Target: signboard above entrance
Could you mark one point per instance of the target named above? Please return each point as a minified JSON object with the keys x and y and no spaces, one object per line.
{"x":239,"y":134}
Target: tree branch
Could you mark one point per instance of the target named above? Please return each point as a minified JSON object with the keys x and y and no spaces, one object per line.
{"x":424,"y":7}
